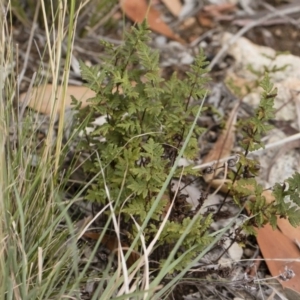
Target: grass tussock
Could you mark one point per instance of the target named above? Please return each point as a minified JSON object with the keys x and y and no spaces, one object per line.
{"x":39,"y":256}
{"x":43,"y":251}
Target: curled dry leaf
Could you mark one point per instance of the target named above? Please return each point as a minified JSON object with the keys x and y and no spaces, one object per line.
{"x":138,"y":10}
{"x":40,"y":97}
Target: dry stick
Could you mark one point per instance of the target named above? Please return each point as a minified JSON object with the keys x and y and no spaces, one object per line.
{"x":251,"y":25}
{"x":235,"y":157}
{"x":245,"y":5}
{"x":281,"y":14}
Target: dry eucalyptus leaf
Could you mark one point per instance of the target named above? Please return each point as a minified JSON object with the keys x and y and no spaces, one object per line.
{"x":139,"y":10}
{"x":286,"y":228}
{"x":280,"y":253}
{"x":280,"y":244}
{"x":40,"y":97}
{"x":174,"y":6}
{"x":293,"y":233}
{"x":223,"y":147}
{"x":291,"y":294}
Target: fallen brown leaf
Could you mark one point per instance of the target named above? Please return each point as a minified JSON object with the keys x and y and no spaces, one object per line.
{"x":205,"y":20}
{"x":277,"y":246}
{"x":174,"y":6}
{"x":39,"y":98}
{"x":280,"y":253}
{"x":293,"y":233}
{"x":280,"y":244}
{"x":223,"y":147}
{"x":139,"y":10}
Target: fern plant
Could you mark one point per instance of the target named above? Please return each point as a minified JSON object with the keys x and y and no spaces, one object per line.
{"x":245,"y":188}
{"x":147,"y":121}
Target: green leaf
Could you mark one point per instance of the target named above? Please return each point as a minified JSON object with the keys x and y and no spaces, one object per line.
{"x":294,"y":216}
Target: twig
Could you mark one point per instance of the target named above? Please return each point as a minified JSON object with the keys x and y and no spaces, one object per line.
{"x":282,"y":14}
{"x":243,"y":30}
{"x":235,"y":157}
